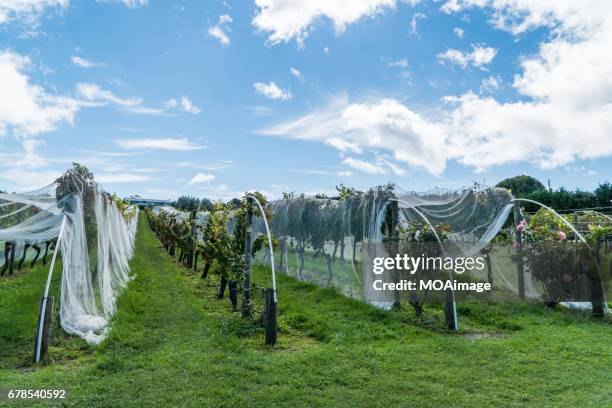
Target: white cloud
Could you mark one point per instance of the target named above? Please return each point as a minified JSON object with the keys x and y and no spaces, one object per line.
{"x":201,"y":178}
{"x":272,"y":91}
{"x":451,"y":6}
{"x":28,"y":11}
{"x":127,"y":3}
{"x":26,"y":108}
{"x":566,"y":89}
{"x":93,"y":93}
{"x":479,"y":56}
{"x":214,"y":166}
{"x":172,"y":144}
{"x":384,"y":125}
{"x":490,"y":84}
{"x":188,"y":106}
{"x":221,"y":29}
{"x":84,"y":63}
{"x":563,"y":113}
{"x":343,"y":146}
{"x":459,"y":32}
{"x":296,"y":73}
{"x":364,"y":166}
{"x":400,"y":63}
{"x":413,"y":22}
{"x":287,"y":20}
{"x":345,"y":173}
{"x":326,"y":50}
{"x":183,"y":104}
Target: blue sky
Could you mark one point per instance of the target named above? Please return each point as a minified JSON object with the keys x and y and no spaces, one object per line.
{"x":213,"y":98}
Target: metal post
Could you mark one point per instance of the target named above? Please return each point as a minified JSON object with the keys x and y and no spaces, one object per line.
{"x":43,"y":304}
{"x":519,"y":251}
{"x":269,"y":246}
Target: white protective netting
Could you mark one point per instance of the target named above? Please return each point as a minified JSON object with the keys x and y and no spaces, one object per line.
{"x":332,"y":242}
{"x":96,"y":246}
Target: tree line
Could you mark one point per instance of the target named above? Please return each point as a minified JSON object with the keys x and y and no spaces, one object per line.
{"x":560,"y":199}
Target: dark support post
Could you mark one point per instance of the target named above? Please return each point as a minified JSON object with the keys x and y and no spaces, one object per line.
{"x":597,"y":293}
{"x":12,"y":258}
{"x":47,"y":315}
{"x":7,"y":257}
{"x":246,"y":276}
{"x":449,"y":310}
{"x":489,"y":268}
{"x":269,"y":318}
{"x":519,"y":251}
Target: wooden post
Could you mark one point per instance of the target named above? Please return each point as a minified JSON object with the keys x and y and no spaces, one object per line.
{"x":46,"y":328}
{"x":246,"y":275}
{"x":519,"y":251}
{"x":269,"y":318}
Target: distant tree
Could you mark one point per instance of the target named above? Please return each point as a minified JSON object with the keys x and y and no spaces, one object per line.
{"x":206,"y":204}
{"x":562,"y":199}
{"x":187,"y":203}
{"x":603,"y":194}
{"x":521,"y":186}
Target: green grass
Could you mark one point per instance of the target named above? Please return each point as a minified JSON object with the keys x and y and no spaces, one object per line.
{"x":173,"y":344}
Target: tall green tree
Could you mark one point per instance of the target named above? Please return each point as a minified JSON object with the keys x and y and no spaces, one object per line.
{"x":521,"y":186}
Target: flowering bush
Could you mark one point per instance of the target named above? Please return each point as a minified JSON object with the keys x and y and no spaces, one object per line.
{"x":554,"y":261}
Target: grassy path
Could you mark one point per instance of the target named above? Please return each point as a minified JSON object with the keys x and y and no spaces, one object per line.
{"x":172,"y":344}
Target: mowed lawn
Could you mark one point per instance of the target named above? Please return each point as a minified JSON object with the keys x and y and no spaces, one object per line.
{"x":173,"y":344}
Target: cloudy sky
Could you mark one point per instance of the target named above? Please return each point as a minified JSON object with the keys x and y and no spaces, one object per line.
{"x":212,"y":98}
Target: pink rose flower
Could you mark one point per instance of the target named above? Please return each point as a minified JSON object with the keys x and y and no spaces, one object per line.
{"x":562,"y":236}
{"x":522,"y":225}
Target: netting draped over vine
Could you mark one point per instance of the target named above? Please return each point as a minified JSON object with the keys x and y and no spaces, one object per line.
{"x":96,"y":246}
{"x":472,"y":216}
{"x":332,"y":243}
